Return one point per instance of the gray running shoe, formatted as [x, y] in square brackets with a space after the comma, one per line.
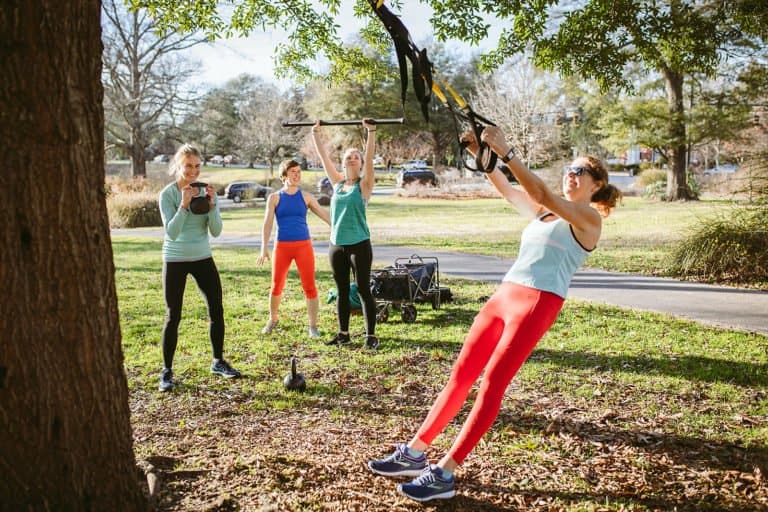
[222, 368]
[166, 380]
[269, 327]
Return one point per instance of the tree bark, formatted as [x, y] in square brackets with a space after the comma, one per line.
[65, 433]
[677, 183]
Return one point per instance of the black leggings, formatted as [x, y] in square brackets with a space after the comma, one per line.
[209, 283]
[358, 258]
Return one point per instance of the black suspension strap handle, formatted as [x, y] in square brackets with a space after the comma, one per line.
[485, 159]
[426, 82]
[343, 122]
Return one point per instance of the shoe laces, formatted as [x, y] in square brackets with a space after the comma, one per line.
[426, 477]
[398, 455]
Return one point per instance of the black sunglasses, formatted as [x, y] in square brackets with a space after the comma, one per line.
[578, 171]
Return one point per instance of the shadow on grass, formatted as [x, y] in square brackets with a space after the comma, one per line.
[693, 452]
[693, 368]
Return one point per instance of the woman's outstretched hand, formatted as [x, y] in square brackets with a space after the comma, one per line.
[494, 138]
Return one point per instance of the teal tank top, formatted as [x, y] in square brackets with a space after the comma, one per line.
[549, 256]
[348, 222]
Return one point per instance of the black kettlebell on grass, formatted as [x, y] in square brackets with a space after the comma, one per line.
[294, 381]
[200, 203]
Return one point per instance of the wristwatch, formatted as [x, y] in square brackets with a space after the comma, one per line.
[509, 156]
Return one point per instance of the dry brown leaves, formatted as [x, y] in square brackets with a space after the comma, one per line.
[544, 453]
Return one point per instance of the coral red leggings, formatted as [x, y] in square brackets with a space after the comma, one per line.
[502, 336]
[302, 253]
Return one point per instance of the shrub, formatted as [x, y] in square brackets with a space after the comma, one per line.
[133, 210]
[653, 183]
[651, 176]
[726, 248]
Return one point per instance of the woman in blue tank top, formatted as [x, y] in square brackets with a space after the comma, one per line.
[350, 248]
[289, 206]
[562, 232]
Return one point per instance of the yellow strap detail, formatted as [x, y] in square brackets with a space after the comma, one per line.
[438, 92]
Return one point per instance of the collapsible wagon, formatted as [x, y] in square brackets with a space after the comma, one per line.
[410, 280]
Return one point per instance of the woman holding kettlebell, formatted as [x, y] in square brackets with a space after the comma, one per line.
[350, 248]
[186, 250]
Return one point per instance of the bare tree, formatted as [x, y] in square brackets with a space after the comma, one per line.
[261, 135]
[66, 440]
[145, 79]
[518, 99]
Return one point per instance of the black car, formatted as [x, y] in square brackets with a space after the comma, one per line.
[239, 190]
[418, 176]
[324, 186]
[507, 173]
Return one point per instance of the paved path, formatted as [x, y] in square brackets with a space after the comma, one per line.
[734, 308]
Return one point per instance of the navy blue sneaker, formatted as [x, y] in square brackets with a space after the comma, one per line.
[399, 463]
[429, 486]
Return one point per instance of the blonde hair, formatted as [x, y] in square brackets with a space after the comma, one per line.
[606, 198]
[174, 168]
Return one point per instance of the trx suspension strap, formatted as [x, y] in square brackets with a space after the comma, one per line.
[426, 81]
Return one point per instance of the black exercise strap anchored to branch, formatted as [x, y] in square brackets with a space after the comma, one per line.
[426, 81]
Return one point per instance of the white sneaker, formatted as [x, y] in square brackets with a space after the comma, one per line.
[314, 332]
[269, 327]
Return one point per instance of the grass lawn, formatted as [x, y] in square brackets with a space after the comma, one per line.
[616, 410]
[637, 237]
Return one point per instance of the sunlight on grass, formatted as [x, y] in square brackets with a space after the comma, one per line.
[610, 395]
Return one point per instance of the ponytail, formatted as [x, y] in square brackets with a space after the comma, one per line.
[606, 199]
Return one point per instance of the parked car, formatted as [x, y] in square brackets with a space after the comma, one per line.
[723, 169]
[324, 186]
[239, 190]
[418, 176]
[162, 159]
[413, 164]
[507, 172]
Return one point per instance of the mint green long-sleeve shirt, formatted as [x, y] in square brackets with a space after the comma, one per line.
[186, 233]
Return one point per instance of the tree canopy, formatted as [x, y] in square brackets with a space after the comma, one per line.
[594, 39]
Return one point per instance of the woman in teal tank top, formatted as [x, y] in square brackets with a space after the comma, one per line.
[562, 232]
[350, 248]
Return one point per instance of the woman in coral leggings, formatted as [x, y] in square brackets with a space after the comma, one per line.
[289, 206]
[562, 232]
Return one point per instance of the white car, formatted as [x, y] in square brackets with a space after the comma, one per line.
[413, 164]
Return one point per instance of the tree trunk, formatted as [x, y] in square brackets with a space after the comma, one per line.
[677, 183]
[65, 432]
[138, 162]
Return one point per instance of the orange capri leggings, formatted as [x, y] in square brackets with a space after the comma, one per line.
[302, 253]
[502, 336]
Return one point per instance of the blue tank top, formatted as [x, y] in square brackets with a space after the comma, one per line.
[291, 215]
[549, 256]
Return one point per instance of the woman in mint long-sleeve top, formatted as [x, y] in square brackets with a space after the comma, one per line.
[186, 250]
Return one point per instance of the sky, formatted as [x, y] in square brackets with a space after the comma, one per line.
[227, 58]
